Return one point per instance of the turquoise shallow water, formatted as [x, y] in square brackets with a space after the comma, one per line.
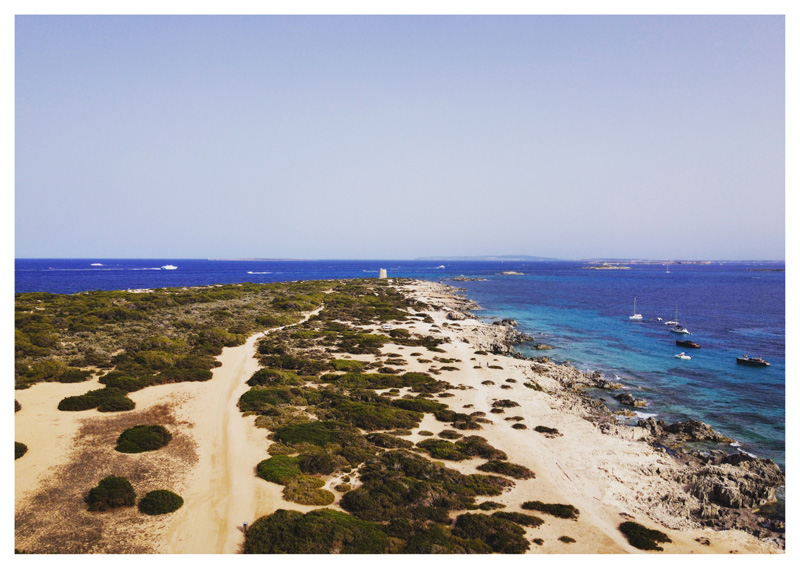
[730, 309]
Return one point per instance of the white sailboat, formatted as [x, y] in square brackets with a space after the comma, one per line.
[635, 316]
[675, 326]
[673, 321]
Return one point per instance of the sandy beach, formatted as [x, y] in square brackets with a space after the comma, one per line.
[610, 478]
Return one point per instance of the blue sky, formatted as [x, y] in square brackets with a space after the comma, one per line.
[399, 137]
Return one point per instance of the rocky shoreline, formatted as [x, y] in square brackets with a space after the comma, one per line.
[717, 487]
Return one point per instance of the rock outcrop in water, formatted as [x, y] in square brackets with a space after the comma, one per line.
[672, 435]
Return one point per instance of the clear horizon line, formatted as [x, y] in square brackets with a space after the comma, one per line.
[471, 258]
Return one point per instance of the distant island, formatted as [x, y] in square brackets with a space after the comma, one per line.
[501, 258]
[607, 266]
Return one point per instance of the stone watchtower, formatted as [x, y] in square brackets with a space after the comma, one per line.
[382, 273]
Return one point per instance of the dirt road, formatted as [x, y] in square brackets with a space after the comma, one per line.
[223, 491]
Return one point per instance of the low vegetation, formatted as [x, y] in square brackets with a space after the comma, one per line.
[500, 534]
[643, 538]
[110, 493]
[143, 438]
[400, 483]
[463, 449]
[506, 468]
[519, 518]
[554, 509]
[160, 502]
[19, 450]
[318, 532]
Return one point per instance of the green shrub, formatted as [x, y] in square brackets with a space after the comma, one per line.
[555, 509]
[402, 483]
[347, 365]
[505, 403]
[305, 490]
[74, 376]
[279, 469]
[519, 518]
[259, 399]
[419, 404]
[450, 434]
[143, 438]
[376, 416]
[438, 539]
[505, 468]
[320, 433]
[462, 449]
[519, 426]
[318, 462]
[104, 400]
[123, 382]
[546, 430]
[19, 450]
[383, 440]
[160, 502]
[641, 537]
[323, 531]
[502, 535]
[566, 539]
[111, 492]
[490, 506]
[274, 377]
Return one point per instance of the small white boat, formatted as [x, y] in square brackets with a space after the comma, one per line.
[659, 319]
[679, 329]
[682, 355]
[169, 267]
[673, 322]
[635, 316]
[440, 266]
[96, 264]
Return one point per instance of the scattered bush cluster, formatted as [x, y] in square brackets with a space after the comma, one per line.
[110, 493]
[463, 449]
[160, 502]
[143, 438]
[506, 468]
[554, 509]
[399, 482]
[641, 537]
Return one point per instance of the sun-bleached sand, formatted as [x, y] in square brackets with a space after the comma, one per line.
[609, 478]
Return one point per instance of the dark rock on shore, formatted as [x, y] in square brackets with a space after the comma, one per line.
[687, 431]
[737, 482]
[728, 486]
[628, 399]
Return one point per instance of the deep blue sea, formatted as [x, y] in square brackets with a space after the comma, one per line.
[729, 308]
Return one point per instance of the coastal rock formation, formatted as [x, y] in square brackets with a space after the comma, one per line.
[628, 400]
[688, 431]
[734, 486]
[456, 316]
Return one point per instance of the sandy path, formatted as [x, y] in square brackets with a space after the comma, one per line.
[222, 491]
